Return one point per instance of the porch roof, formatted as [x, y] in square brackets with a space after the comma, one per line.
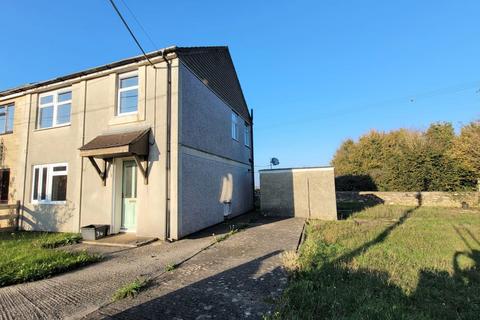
[117, 145]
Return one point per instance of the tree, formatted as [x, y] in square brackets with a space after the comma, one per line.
[466, 151]
[440, 170]
[343, 159]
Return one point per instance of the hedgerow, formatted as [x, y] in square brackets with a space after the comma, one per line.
[409, 160]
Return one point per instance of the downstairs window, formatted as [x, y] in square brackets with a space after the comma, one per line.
[4, 183]
[49, 184]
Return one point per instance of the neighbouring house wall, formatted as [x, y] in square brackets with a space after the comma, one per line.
[13, 154]
[428, 199]
[214, 168]
[94, 103]
[306, 193]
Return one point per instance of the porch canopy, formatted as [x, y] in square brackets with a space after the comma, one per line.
[116, 145]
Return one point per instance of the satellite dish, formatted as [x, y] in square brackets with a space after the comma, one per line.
[274, 162]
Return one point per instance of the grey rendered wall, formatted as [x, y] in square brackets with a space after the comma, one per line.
[206, 121]
[306, 193]
[214, 167]
[206, 183]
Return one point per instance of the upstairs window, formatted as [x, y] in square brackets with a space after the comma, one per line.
[54, 109]
[127, 93]
[234, 126]
[6, 118]
[49, 183]
[247, 135]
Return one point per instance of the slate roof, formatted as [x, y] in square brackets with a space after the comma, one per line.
[213, 65]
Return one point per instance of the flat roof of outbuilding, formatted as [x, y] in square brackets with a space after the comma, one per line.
[296, 169]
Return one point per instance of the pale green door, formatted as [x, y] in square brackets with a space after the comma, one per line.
[129, 196]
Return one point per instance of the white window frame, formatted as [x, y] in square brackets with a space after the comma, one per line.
[55, 104]
[235, 126]
[50, 175]
[247, 135]
[6, 108]
[120, 90]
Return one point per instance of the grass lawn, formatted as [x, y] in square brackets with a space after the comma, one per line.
[29, 256]
[387, 262]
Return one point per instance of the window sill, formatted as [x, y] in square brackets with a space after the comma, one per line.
[54, 127]
[126, 114]
[5, 133]
[49, 202]
[125, 118]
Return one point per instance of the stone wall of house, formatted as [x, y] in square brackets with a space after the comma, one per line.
[428, 199]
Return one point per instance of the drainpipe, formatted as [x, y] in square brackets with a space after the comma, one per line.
[26, 164]
[81, 158]
[253, 162]
[169, 157]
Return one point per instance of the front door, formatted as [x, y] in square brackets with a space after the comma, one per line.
[129, 196]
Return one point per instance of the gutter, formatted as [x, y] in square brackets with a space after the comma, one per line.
[76, 75]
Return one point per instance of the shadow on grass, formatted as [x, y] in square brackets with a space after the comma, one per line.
[380, 238]
[345, 209]
[332, 290]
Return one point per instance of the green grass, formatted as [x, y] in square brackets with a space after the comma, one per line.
[170, 267]
[29, 256]
[225, 236]
[55, 240]
[388, 262]
[130, 289]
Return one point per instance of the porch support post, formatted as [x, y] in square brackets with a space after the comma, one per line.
[143, 170]
[103, 175]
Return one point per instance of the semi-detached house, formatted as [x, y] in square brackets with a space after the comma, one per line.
[160, 148]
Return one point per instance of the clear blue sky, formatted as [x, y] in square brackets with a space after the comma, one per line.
[315, 72]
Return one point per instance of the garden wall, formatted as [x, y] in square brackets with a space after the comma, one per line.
[428, 199]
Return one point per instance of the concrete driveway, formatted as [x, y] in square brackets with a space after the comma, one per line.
[232, 279]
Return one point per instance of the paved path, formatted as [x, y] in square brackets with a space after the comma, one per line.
[233, 279]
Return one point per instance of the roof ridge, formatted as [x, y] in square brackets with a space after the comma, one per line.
[103, 67]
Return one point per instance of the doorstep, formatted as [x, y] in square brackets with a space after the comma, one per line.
[122, 240]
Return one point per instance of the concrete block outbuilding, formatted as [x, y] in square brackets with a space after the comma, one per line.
[299, 192]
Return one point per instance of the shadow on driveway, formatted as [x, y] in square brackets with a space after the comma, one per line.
[236, 293]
